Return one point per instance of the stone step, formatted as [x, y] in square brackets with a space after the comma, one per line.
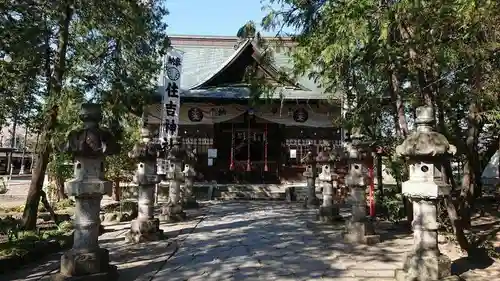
[385, 273]
[249, 195]
[255, 188]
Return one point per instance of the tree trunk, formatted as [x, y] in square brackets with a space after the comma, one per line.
[35, 190]
[456, 222]
[59, 181]
[34, 151]
[470, 188]
[12, 143]
[401, 126]
[54, 89]
[116, 190]
[24, 146]
[379, 175]
[47, 206]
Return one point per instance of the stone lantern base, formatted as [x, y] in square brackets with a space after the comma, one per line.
[190, 204]
[173, 213]
[426, 267]
[144, 230]
[86, 266]
[329, 214]
[361, 232]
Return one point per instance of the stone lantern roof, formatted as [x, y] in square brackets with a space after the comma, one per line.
[330, 154]
[145, 150]
[359, 147]
[425, 141]
[91, 141]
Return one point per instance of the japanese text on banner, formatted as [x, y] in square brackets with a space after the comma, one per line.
[171, 99]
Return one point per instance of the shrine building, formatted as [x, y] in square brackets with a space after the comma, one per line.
[238, 141]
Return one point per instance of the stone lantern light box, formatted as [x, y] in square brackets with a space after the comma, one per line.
[426, 150]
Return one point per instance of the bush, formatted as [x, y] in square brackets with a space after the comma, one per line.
[124, 206]
[64, 204]
[66, 226]
[24, 241]
[390, 206]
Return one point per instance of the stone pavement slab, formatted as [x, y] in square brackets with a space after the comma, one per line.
[249, 240]
[264, 241]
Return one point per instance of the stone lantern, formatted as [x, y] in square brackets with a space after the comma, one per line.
[329, 210]
[173, 210]
[310, 174]
[360, 228]
[86, 260]
[425, 150]
[145, 227]
[188, 198]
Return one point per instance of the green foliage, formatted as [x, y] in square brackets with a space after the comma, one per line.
[64, 53]
[120, 166]
[388, 57]
[66, 226]
[125, 206]
[24, 241]
[18, 84]
[434, 48]
[64, 204]
[390, 206]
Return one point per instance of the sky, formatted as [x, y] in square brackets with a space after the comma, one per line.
[211, 17]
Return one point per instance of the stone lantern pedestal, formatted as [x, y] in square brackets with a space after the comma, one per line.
[173, 210]
[310, 174]
[146, 227]
[188, 198]
[86, 260]
[425, 150]
[360, 228]
[329, 210]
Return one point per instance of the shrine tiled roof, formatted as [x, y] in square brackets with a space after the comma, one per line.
[206, 56]
[242, 92]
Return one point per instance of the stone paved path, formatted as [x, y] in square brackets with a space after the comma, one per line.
[268, 241]
[246, 241]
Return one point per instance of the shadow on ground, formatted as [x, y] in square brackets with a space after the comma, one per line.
[255, 240]
[266, 241]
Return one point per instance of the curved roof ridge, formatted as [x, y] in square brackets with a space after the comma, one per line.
[227, 63]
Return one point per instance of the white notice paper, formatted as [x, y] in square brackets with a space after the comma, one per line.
[293, 153]
[210, 162]
[212, 153]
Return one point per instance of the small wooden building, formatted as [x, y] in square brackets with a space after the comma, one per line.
[239, 141]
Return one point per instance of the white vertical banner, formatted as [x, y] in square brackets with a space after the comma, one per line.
[171, 101]
[171, 97]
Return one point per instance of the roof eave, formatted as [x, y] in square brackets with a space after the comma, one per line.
[224, 66]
